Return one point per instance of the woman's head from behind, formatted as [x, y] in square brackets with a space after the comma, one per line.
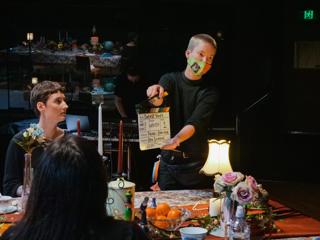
[70, 184]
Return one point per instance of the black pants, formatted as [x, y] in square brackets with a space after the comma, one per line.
[182, 176]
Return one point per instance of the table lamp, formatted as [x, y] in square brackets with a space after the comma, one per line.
[218, 158]
[29, 36]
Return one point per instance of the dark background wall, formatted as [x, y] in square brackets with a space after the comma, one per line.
[254, 62]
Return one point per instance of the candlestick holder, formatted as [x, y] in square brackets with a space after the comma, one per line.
[29, 40]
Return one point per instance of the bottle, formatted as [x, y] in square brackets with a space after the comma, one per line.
[239, 228]
[154, 202]
[143, 222]
[128, 206]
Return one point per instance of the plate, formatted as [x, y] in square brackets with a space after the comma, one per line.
[9, 209]
[5, 198]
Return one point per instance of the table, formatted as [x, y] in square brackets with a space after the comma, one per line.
[291, 223]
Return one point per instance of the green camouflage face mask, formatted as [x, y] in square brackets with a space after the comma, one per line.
[196, 66]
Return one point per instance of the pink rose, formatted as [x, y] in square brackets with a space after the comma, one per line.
[232, 178]
[242, 193]
[252, 183]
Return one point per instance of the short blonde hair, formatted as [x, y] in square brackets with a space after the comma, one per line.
[194, 40]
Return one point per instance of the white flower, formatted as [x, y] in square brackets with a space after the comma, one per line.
[25, 134]
[219, 185]
[32, 137]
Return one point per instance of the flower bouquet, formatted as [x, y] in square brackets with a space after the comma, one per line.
[32, 137]
[236, 188]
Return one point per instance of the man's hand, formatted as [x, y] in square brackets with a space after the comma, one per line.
[172, 144]
[155, 90]
[155, 187]
[185, 133]
[119, 105]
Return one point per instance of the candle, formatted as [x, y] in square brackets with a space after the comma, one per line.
[120, 148]
[67, 36]
[100, 147]
[214, 207]
[128, 162]
[34, 80]
[59, 37]
[78, 127]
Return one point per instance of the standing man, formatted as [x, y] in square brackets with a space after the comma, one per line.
[192, 102]
[130, 90]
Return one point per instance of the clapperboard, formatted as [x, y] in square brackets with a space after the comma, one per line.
[153, 126]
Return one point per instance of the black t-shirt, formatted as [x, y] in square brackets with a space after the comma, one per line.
[14, 165]
[191, 102]
[131, 94]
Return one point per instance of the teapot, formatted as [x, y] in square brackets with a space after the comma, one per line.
[117, 201]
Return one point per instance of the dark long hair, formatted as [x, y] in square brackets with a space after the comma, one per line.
[68, 194]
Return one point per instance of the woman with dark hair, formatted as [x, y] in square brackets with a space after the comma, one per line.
[67, 198]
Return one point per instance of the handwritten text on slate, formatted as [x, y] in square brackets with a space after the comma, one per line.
[154, 129]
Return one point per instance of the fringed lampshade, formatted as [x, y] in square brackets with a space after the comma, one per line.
[218, 158]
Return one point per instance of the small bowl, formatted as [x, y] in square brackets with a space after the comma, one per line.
[170, 224]
[193, 233]
[5, 202]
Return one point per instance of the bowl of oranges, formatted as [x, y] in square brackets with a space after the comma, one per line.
[167, 218]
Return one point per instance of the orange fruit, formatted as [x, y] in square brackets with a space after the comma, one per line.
[151, 212]
[162, 209]
[161, 222]
[174, 213]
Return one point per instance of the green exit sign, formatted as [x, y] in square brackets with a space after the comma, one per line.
[308, 14]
